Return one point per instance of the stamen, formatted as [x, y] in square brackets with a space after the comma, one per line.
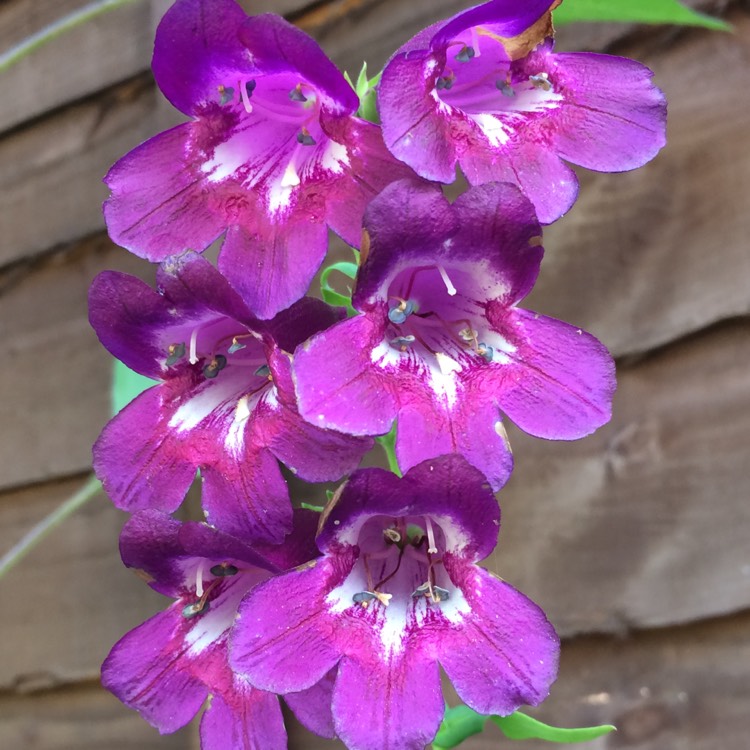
[193, 358]
[541, 81]
[304, 138]
[444, 83]
[363, 598]
[431, 549]
[250, 87]
[398, 315]
[296, 94]
[224, 570]
[392, 536]
[466, 54]
[402, 343]
[468, 335]
[227, 95]
[191, 610]
[176, 353]
[440, 594]
[446, 280]
[486, 352]
[213, 368]
[236, 346]
[199, 579]
[505, 88]
[264, 371]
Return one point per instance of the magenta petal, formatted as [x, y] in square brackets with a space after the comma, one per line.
[272, 265]
[299, 545]
[561, 381]
[157, 207]
[414, 129]
[338, 386]
[312, 707]
[504, 653]
[247, 719]
[245, 494]
[393, 705]
[138, 673]
[314, 454]
[283, 638]
[138, 463]
[614, 118]
[549, 183]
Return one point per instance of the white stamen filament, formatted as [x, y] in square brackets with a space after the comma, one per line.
[199, 579]
[446, 280]
[432, 549]
[475, 42]
[193, 356]
[245, 98]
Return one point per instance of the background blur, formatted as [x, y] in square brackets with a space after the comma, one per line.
[636, 541]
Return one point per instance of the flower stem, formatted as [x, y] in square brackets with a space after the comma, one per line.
[49, 523]
[55, 29]
[388, 444]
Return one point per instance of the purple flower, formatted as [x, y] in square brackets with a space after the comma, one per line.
[485, 90]
[273, 155]
[441, 343]
[225, 404]
[167, 667]
[396, 595]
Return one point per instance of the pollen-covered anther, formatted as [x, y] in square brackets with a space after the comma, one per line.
[176, 353]
[467, 53]
[486, 352]
[215, 366]
[224, 570]
[398, 315]
[392, 536]
[505, 88]
[226, 94]
[194, 609]
[402, 343]
[304, 138]
[541, 81]
[296, 94]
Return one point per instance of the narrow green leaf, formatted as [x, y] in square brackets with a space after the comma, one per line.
[459, 724]
[315, 508]
[126, 385]
[388, 444]
[636, 11]
[518, 726]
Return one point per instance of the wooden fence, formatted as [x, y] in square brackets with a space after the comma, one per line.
[636, 541]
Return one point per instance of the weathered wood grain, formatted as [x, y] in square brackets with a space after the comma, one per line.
[71, 599]
[646, 523]
[82, 718]
[678, 689]
[647, 256]
[55, 380]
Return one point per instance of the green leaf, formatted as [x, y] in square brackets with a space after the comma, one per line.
[388, 444]
[636, 11]
[329, 294]
[315, 508]
[367, 93]
[459, 724]
[126, 385]
[518, 726]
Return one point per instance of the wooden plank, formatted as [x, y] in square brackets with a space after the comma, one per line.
[106, 50]
[71, 599]
[50, 175]
[646, 522]
[683, 688]
[84, 718]
[55, 384]
[648, 256]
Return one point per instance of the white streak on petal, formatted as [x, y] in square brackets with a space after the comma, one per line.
[493, 128]
[335, 157]
[443, 381]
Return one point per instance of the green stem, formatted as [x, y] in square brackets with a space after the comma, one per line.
[47, 34]
[49, 523]
[388, 444]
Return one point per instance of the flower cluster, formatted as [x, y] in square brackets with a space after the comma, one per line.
[348, 614]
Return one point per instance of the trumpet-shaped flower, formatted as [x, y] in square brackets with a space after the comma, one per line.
[441, 344]
[273, 155]
[170, 665]
[485, 89]
[396, 595]
[225, 403]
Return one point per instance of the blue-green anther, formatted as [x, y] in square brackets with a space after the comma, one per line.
[176, 353]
